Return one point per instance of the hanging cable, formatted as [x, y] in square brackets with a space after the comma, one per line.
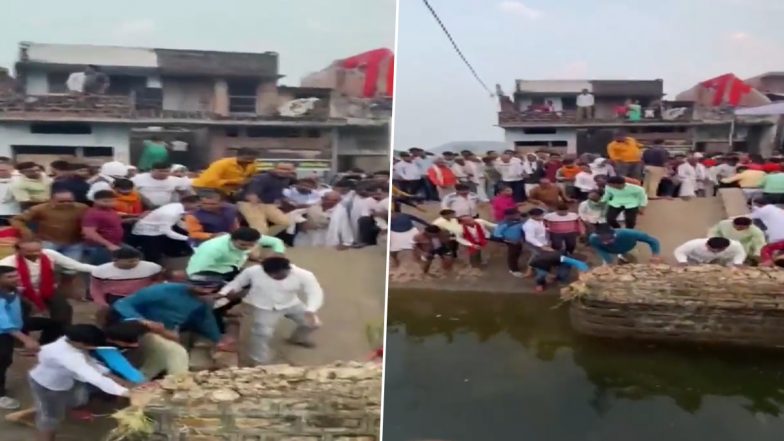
[457, 48]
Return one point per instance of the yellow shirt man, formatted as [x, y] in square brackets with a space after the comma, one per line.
[227, 175]
[628, 150]
[747, 178]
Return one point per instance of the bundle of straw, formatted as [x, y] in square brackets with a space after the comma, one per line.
[132, 423]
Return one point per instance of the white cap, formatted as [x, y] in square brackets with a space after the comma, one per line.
[114, 169]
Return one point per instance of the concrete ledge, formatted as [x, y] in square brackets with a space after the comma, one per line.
[734, 202]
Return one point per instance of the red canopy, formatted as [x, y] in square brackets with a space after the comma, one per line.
[372, 61]
[728, 84]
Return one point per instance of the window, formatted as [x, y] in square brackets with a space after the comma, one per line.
[89, 152]
[57, 81]
[273, 132]
[242, 96]
[558, 143]
[540, 131]
[61, 128]
[43, 150]
[232, 132]
[569, 102]
[125, 84]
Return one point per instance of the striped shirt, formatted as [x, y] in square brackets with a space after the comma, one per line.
[562, 224]
[108, 279]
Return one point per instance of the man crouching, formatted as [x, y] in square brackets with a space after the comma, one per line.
[166, 309]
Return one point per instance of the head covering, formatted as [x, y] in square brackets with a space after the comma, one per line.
[178, 168]
[114, 169]
[598, 166]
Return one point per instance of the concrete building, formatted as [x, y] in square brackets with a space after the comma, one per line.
[680, 124]
[207, 103]
[770, 83]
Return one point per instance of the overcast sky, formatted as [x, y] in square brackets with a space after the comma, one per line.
[307, 34]
[679, 41]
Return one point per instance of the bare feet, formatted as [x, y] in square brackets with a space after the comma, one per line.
[24, 417]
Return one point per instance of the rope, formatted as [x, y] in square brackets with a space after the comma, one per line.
[457, 48]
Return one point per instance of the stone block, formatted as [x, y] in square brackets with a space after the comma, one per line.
[198, 422]
[292, 438]
[272, 403]
[207, 438]
[332, 422]
[244, 424]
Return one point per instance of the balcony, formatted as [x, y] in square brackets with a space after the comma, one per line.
[128, 107]
[100, 106]
[529, 118]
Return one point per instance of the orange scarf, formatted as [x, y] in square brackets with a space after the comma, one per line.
[129, 203]
[570, 171]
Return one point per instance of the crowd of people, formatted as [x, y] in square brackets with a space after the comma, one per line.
[554, 208]
[112, 234]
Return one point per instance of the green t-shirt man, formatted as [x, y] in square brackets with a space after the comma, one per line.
[154, 152]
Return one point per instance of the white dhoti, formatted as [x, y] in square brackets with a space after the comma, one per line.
[402, 241]
[481, 189]
[688, 188]
[692, 178]
[337, 230]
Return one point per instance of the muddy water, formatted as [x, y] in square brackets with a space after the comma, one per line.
[464, 367]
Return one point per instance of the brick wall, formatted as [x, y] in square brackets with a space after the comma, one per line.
[70, 104]
[338, 402]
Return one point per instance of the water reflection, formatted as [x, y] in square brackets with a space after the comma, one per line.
[616, 377]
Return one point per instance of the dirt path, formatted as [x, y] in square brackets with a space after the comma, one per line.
[354, 283]
[676, 221]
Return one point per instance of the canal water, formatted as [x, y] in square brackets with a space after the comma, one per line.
[466, 367]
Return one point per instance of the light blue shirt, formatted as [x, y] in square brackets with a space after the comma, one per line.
[424, 164]
[10, 313]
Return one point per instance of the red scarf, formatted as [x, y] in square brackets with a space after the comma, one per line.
[45, 289]
[477, 237]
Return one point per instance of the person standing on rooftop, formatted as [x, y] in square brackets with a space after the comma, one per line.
[585, 103]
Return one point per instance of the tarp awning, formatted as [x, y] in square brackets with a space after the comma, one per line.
[768, 109]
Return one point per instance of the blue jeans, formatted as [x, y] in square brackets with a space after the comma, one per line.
[97, 254]
[74, 251]
[561, 274]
